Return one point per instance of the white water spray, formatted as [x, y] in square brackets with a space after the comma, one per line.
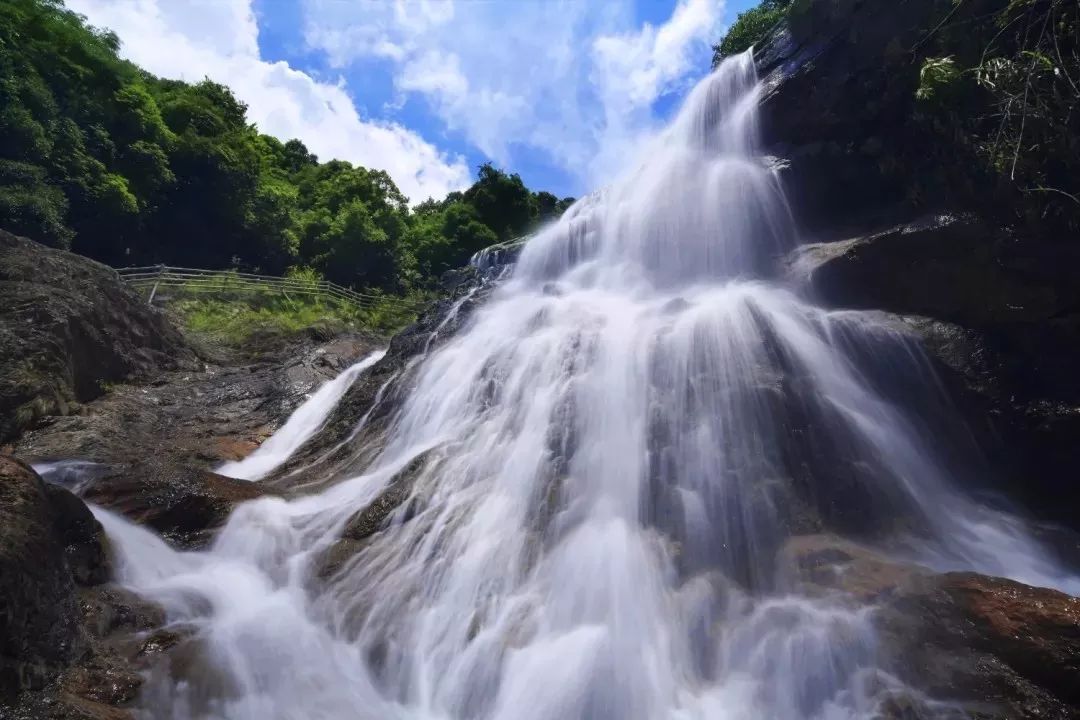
[609, 455]
[301, 425]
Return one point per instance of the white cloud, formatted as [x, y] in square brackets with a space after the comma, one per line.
[192, 39]
[576, 80]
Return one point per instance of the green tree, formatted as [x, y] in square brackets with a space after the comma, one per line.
[502, 202]
[355, 250]
[128, 168]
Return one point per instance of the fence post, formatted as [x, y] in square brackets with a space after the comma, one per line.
[161, 271]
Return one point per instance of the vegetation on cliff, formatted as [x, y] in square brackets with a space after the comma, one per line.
[750, 27]
[980, 101]
[1010, 102]
[101, 157]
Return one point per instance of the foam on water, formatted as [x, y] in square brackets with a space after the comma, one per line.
[612, 453]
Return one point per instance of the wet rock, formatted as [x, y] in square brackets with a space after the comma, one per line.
[68, 329]
[182, 503]
[39, 631]
[991, 647]
[902, 221]
[500, 255]
[161, 641]
[336, 557]
[996, 315]
[823, 565]
[61, 630]
[102, 678]
[104, 683]
[153, 447]
[64, 706]
[370, 520]
[110, 611]
[353, 434]
[1000, 648]
[85, 545]
[196, 420]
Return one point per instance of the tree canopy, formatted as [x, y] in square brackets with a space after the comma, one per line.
[101, 157]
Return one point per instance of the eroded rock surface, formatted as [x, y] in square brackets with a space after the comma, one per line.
[68, 329]
[155, 445]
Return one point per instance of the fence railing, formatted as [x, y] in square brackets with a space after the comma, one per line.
[193, 280]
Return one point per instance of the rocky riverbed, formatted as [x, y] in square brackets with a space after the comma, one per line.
[138, 414]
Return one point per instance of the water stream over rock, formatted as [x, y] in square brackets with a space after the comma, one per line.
[604, 467]
[301, 425]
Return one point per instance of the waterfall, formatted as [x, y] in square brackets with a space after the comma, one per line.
[603, 467]
[301, 425]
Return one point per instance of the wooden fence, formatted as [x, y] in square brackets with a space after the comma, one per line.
[221, 282]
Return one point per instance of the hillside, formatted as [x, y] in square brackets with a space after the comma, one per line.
[103, 158]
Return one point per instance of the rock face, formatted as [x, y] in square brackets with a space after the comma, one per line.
[999, 317]
[354, 431]
[999, 308]
[839, 106]
[68, 328]
[71, 645]
[52, 559]
[892, 226]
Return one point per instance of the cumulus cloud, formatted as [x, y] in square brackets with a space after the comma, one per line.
[577, 81]
[219, 39]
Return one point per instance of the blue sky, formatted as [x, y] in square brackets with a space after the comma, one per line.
[558, 91]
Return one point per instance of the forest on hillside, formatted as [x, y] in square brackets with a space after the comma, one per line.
[103, 158]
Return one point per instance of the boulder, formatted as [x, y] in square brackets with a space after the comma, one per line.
[184, 504]
[68, 329]
[50, 545]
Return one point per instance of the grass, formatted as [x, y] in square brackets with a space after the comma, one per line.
[235, 316]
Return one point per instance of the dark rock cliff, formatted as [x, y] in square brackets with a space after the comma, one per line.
[895, 222]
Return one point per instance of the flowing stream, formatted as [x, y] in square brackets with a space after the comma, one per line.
[605, 465]
[301, 425]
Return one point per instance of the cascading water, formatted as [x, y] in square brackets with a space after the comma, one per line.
[301, 425]
[611, 455]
